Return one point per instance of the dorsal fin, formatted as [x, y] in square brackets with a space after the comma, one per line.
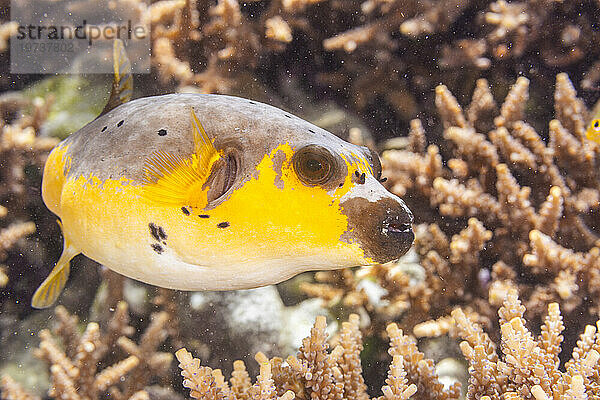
[175, 180]
[122, 86]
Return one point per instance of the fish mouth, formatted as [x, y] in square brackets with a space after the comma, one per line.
[393, 226]
[397, 232]
[383, 228]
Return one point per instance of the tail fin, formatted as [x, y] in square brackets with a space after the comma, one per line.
[50, 289]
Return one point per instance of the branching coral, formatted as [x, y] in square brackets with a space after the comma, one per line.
[81, 368]
[229, 41]
[11, 390]
[381, 58]
[317, 373]
[538, 201]
[8, 237]
[20, 150]
[522, 366]
[368, 54]
[527, 367]
[525, 213]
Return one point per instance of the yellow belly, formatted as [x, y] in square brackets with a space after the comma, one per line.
[111, 223]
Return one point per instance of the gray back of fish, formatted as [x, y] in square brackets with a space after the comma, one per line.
[117, 144]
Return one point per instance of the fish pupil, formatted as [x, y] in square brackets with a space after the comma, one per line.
[596, 124]
[313, 165]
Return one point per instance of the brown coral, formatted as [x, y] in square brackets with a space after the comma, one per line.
[518, 187]
[317, 373]
[525, 213]
[74, 366]
[528, 367]
[22, 154]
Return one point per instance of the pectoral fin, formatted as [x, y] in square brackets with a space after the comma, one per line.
[50, 289]
[122, 86]
[175, 180]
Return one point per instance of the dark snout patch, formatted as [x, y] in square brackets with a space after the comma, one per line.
[382, 228]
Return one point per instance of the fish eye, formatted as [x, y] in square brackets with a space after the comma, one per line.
[314, 164]
[597, 123]
[375, 163]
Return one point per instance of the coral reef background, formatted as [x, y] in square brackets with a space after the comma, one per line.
[478, 109]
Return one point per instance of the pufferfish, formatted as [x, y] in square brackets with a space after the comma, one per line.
[213, 192]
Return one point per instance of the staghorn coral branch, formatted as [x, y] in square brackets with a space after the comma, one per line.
[482, 107]
[419, 370]
[10, 235]
[512, 150]
[11, 390]
[340, 367]
[569, 109]
[550, 212]
[448, 108]
[397, 387]
[111, 375]
[76, 375]
[513, 108]
[198, 379]
[63, 386]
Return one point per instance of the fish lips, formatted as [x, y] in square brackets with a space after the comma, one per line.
[383, 228]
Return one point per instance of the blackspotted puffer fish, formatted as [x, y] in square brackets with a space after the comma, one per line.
[213, 192]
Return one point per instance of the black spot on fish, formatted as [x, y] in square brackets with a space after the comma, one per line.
[251, 102]
[120, 122]
[204, 216]
[185, 210]
[157, 248]
[103, 129]
[383, 179]
[341, 184]
[162, 132]
[222, 224]
[311, 131]
[157, 232]
[360, 178]
[153, 230]
[287, 116]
